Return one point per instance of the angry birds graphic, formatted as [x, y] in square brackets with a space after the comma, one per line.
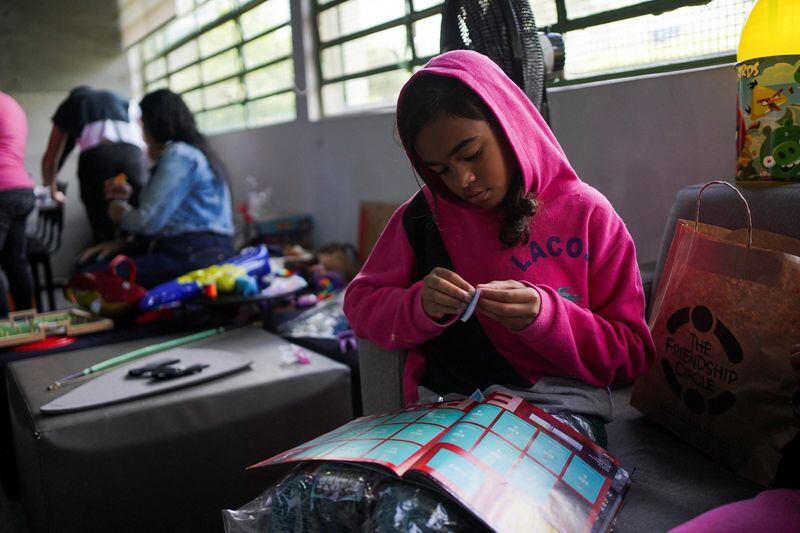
[780, 153]
[765, 100]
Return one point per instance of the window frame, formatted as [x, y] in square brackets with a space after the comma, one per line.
[647, 7]
[241, 72]
[562, 25]
[408, 20]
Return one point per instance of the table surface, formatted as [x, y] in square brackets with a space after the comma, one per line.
[34, 375]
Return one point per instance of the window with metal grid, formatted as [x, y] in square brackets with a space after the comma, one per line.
[366, 49]
[613, 38]
[231, 60]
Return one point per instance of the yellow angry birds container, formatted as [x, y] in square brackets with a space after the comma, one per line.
[768, 111]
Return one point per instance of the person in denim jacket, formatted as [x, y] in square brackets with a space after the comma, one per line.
[184, 219]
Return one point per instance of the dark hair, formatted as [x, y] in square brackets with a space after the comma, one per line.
[426, 98]
[80, 89]
[166, 117]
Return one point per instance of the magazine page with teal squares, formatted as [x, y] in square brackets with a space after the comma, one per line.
[491, 447]
[391, 439]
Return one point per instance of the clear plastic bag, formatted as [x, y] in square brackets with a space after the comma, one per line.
[333, 497]
[323, 321]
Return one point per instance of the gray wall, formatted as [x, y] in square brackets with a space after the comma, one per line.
[48, 47]
[637, 141]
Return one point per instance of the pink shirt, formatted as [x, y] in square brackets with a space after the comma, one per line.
[580, 258]
[13, 137]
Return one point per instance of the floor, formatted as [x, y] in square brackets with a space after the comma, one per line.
[12, 514]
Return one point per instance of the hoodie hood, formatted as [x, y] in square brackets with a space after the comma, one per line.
[541, 159]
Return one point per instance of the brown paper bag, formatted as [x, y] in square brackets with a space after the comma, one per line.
[725, 316]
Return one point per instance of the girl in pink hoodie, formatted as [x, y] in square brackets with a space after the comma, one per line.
[560, 315]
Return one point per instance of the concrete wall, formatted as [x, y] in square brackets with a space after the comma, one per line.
[48, 47]
[640, 141]
[637, 141]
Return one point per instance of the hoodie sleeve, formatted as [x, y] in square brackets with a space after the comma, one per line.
[383, 304]
[607, 343]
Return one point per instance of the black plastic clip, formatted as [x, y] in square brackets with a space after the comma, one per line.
[148, 370]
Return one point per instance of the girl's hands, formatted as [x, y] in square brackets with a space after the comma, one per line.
[114, 190]
[101, 251]
[117, 208]
[445, 293]
[509, 302]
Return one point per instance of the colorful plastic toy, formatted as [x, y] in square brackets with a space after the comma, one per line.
[235, 275]
[106, 293]
[28, 326]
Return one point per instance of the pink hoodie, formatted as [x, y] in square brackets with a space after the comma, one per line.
[580, 258]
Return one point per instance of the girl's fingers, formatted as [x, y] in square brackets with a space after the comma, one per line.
[445, 287]
[444, 303]
[511, 296]
[454, 280]
[489, 314]
[446, 300]
[503, 310]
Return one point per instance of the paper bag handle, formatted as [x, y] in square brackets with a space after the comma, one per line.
[746, 206]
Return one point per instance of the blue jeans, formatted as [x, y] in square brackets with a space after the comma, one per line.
[166, 258]
[15, 205]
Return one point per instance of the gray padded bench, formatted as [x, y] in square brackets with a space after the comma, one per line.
[672, 482]
[168, 462]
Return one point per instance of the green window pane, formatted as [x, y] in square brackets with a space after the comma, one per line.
[200, 120]
[212, 10]
[183, 6]
[219, 38]
[220, 66]
[369, 91]
[158, 84]
[194, 100]
[187, 78]
[684, 34]
[264, 16]
[270, 79]
[155, 69]
[223, 93]
[179, 28]
[267, 48]
[278, 108]
[224, 119]
[153, 45]
[544, 12]
[356, 15]
[426, 36]
[583, 8]
[419, 5]
[388, 47]
[182, 56]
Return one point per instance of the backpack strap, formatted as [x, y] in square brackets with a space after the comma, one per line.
[424, 237]
[462, 358]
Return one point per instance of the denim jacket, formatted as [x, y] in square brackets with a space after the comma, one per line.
[184, 195]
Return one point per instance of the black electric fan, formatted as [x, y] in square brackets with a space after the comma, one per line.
[505, 31]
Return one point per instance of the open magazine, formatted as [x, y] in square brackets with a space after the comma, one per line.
[511, 464]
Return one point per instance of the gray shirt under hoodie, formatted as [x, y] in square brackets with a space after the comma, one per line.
[553, 394]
